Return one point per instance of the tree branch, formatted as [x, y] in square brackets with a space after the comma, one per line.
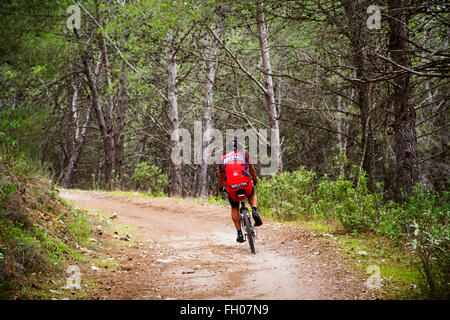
[238, 62]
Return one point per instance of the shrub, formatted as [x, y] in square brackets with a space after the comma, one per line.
[293, 195]
[8, 142]
[287, 195]
[422, 221]
[354, 207]
[431, 243]
[6, 190]
[396, 220]
[30, 240]
[430, 238]
[150, 179]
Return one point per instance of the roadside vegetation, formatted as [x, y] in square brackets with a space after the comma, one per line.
[40, 234]
[415, 232]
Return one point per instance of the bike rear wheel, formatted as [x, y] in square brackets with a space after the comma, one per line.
[249, 229]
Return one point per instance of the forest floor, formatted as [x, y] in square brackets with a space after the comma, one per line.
[187, 249]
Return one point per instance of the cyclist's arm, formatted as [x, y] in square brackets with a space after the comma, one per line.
[253, 173]
[251, 170]
[221, 177]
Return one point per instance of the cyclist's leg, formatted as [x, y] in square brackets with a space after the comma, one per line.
[237, 223]
[236, 217]
[253, 200]
[235, 213]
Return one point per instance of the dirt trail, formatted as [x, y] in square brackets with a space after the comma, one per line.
[188, 250]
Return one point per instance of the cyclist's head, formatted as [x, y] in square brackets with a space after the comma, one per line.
[235, 146]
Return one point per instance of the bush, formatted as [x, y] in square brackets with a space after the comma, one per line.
[430, 239]
[431, 243]
[396, 219]
[150, 179]
[354, 207]
[294, 195]
[8, 143]
[422, 221]
[288, 195]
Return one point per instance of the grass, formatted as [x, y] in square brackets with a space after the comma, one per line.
[211, 200]
[45, 285]
[217, 200]
[54, 254]
[320, 226]
[107, 263]
[111, 225]
[214, 200]
[134, 193]
[54, 289]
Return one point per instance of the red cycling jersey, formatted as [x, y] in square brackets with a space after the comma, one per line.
[235, 168]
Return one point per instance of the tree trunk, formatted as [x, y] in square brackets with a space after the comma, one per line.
[405, 115]
[340, 136]
[368, 153]
[75, 110]
[210, 52]
[172, 114]
[64, 142]
[79, 143]
[80, 135]
[142, 141]
[119, 126]
[356, 38]
[100, 170]
[342, 145]
[194, 184]
[269, 94]
[108, 121]
[108, 146]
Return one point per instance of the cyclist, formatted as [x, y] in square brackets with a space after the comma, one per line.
[235, 170]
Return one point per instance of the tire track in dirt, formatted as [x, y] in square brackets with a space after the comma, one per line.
[188, 250]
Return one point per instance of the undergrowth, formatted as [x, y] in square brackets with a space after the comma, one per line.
[39, 233]
[420, 225]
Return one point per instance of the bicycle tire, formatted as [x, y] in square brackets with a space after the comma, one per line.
[250, 236]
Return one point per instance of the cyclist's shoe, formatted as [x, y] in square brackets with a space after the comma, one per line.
[240, 236]
[257, 218]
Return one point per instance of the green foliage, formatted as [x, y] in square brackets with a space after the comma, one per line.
[396, 220]
[80, 227]
[430, 238]
[288, 195]
[431, 243]
[37, 231]
[19, 132]
[8, 143]
[294, 195]
[213, 200]
[354, 207]
[6, 190]
[150, 179]
[422, 221]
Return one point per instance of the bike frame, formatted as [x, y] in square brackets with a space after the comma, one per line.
[249, 231]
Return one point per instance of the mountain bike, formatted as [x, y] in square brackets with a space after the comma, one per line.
[248, 228]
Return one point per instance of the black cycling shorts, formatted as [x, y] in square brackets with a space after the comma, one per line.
[235, 204]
